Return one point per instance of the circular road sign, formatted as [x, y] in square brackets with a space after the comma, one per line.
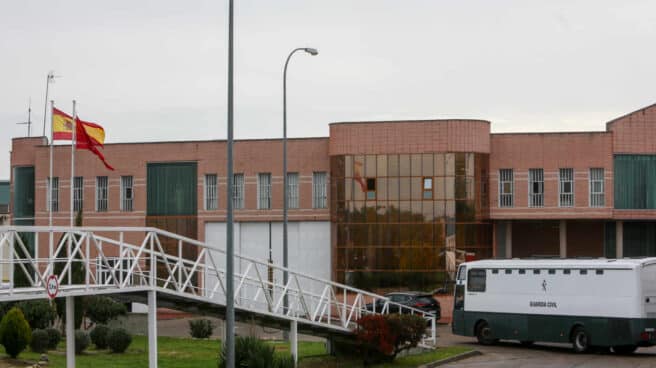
[52, 286]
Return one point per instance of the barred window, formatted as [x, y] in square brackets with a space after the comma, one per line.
[264, 191]
[211, 197]
[101, 193]
[597, 187]
[476, 280]
[127, 193]
[292, 190]
[536, 187]
[52, 200]
[319, 190]
[506, 188]
[566, 188]
[78, 193]
[238, 191]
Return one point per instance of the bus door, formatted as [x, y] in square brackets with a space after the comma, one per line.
[458, 319]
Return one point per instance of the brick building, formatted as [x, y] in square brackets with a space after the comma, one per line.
[375, 204]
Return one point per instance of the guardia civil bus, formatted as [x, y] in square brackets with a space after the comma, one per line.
[604, 303]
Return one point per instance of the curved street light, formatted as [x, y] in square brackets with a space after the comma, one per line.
[285, 253]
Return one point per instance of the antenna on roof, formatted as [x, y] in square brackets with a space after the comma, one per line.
[29, 119]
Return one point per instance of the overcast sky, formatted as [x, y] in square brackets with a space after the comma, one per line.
[156, 70]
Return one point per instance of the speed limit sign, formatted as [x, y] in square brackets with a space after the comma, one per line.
[52, 286]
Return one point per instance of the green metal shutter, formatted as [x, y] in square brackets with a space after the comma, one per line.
[172, 189]
[639, 239]
[635, 181]
[23, 207]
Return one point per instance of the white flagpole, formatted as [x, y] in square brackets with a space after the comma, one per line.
[49, 181]
[73, 165]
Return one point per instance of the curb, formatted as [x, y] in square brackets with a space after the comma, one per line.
[452, 359]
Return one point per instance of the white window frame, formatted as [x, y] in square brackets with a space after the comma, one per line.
[78, 193]
[597, 198]
[127, 204]
[264, 191]
[211, 192]
[238, 191]
[506, 200]
[293, 199]
[102, 204]
[565, 199]
[319, 189]
[535, 199]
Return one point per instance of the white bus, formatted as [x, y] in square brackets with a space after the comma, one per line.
[605, 303]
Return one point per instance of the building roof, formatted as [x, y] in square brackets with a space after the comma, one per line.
[631, 113]
[622, 263]
[412, 121]
[4, 192]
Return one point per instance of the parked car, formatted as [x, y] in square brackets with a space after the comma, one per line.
[415, 299]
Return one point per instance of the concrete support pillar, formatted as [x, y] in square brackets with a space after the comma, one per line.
[562, 227]
[70, 332]
[293, 341]
[152, 329]
[619, 239]
[508, 239]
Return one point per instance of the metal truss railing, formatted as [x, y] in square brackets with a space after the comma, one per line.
[121, 259]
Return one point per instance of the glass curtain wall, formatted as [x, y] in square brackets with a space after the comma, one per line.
[406, 221]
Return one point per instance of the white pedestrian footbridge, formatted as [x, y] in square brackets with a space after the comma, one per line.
[160, 268]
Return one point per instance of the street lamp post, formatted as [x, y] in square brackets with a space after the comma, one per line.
[285, 254]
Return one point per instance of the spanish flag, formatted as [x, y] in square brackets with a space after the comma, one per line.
[62, 125]
[88, 135]
[62, 129]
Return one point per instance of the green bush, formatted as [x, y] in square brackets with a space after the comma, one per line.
[39, 343]
[102, 309]
[82, 341]
[38, 313]
[99, 336]
[252, 352]
[118, 340]
[54, 336]
[201, 328]
[15, 332]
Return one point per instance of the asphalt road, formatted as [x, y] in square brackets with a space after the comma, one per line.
[512, 354]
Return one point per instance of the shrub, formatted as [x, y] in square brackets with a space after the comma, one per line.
[54, 336]
[82, 341]
[99, 336]
[39, 343]
[374, 338]
[407, 330]
[201, 328]
[15, 332]
[283, 361]
[118, 340]
[250, 352]
[102, 309]
[382, 337]
[38, 313]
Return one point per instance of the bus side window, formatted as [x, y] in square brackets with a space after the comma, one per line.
[552, 272]
[566, 272]
[584, 272]
[599, 272]
[495, 271]
[508, 271]
[522, 271]
[476, 280]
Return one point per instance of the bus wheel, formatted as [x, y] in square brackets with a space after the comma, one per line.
[484, 334]
[580, 340]
[624, 349]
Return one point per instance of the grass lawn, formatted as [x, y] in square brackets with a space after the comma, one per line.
[185, 352]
